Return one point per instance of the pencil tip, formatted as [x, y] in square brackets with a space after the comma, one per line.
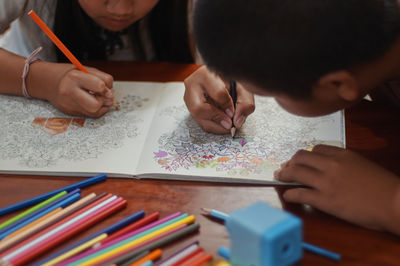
[206, 211]
[233, 131]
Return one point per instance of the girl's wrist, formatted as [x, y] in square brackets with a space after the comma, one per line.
[44, 77]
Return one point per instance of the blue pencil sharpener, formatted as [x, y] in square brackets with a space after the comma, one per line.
[265, 236]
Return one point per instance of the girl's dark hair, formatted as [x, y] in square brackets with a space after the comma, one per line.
[88, 41]
[286, 45]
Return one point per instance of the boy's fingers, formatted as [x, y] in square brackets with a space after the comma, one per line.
[244, 106]
[302, 195]
[203, 109]
[310, 159]
[218, 92]
[212, 127]
[300, 174]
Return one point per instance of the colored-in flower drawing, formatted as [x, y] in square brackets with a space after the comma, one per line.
[162, 162]
[257, 161]
[160, 154]
[223, 159]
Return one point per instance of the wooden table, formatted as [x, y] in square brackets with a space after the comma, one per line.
[371, 129]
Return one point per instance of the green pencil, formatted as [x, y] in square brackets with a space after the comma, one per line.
[157, 244]
[30, 210]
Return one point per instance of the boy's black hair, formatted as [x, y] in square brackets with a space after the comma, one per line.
[286, 45]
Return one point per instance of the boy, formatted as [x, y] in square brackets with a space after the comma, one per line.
[314, 57]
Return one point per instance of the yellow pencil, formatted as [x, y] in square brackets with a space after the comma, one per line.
[76, 250]
[188, 220]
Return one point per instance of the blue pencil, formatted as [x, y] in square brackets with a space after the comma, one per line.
[109, 230]
[317, 250]
[67, 201]
[7, 228]
[32, 201]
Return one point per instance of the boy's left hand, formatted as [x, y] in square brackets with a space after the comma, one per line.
[346, 185]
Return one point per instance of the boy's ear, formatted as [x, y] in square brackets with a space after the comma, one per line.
[343, 83]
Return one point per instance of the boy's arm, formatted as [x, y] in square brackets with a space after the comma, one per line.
[61, 84]
[346, 185]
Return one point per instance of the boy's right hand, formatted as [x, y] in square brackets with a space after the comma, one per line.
[208, 100]
[79, 93]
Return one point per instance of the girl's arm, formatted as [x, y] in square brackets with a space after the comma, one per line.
[68, 89]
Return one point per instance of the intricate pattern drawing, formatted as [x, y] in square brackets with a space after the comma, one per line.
[270, 137]
[38, 144]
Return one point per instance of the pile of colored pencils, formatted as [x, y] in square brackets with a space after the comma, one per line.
[135, 240]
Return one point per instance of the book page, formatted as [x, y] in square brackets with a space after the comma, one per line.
[36, 138]
[178, 147]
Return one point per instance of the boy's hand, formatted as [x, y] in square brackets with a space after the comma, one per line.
[346, 185]
[83, 94]
[207, 98]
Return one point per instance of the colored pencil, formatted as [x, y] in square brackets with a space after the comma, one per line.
[59, 44]
[40, 198]
[56, 225]
[106, 232]
[179, 254]
[69, 229]
[38, 211]
[320, 251]
[39, 221]
[32, 224]
[152, 256]
[306, 246]
[159, 243]
[188, 256]
[56, 41]
[75, 250]
[130, 243]
[142, 222]
[31, 210]
[198, 259]
[137, 257]
[147, 263]
[61, 202]
[150, 227]
[46, 223]
[116, 255]
[87, 253]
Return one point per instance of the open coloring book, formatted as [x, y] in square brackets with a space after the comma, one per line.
[154, 136]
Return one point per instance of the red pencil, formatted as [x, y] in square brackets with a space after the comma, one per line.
[68, 232]
[66, 219]
[142, 244]
[130, 228]
[198, 259]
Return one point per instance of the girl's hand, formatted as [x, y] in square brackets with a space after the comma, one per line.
[343, 183]
[72, 91]
[208, 100]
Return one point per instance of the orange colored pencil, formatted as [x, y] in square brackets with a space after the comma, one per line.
[59, 44]
[26, 227]
[56, 41]
[197, 260]
[154, 255]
